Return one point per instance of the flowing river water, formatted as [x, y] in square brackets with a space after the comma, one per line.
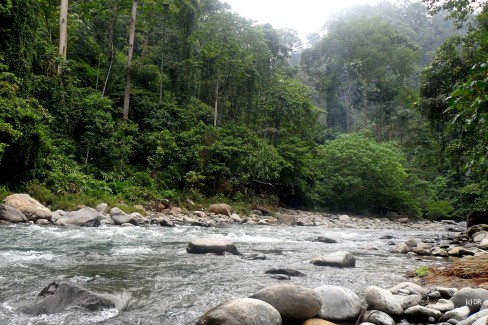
[147, 271]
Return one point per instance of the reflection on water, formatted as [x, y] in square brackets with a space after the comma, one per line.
[157, 282]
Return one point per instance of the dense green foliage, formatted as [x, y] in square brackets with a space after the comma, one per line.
[217, 110]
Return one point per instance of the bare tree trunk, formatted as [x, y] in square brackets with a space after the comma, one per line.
[63, 30]
[111, 42]
[161, 78]
[128, 82]
[216, 102]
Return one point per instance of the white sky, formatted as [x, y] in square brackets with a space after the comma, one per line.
[304, 16]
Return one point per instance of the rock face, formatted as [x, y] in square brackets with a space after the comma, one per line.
[11, 214]
[382, 300]
[245, 311]
[120, 217]
[85, 217]
[338, 304]
[215, 246]
[292, 302]
[473, 298]
[220, 208]
[30, 207]
[59, 295]
[476, 218]
[337, 259]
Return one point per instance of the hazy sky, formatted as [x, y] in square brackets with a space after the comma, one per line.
[304, 16]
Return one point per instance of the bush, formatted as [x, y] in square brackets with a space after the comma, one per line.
[359, 174]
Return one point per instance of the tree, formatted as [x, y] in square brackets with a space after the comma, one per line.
[63, 29]
[128, 80]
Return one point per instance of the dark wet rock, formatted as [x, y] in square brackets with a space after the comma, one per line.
[60, 295]
[30, 207]
[120, 217]
[84, 217]
[253, 257]
[11, 214]
[387, 237]
[420, 314]
[434, 295]
[292, 302]
[458, 314]
[326, 240]
[408, 301]
[378, 317]
[215, 246]
[220, 208]
[473, 298]
[382, 300]
[280, 277]
[289, 272]
[166, 222]
[338, 304]
[446, 292]
[286, 219]
[337, 259]
[244, 311]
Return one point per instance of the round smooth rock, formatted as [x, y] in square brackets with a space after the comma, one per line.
[337, 259]
[378, 318]
[338, 304]
[382, 300]
[215, 246]
[473, 298]
[246, 311]
[291, 301]
[420, 314]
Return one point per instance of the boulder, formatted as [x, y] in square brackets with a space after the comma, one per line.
[317, 321]
[337, 259]
[84, 217]
[378, 318]
[474, 318]
[420, 314]
[408, 301]
[401, 248]
[43, 222]
[413, 288]
[292, 302]
[60, 295]
[166, 222]
[476, 218]
[244, 311]
[382, 300]
[289, 272]
[473, 298]
[120, 217]
[220, 208]
[482, 321]
[439, 252]
[446, 292]
[479, 236]
[215, 246]
[58, 214]
[442, 305]
[457, 314]
[11, 214]
[483, 244]
[102, 207]
[30, 207]
[326, 240]
[254, 257]
[235, 218]
[338, 304]
[286, 219]
[459, 251]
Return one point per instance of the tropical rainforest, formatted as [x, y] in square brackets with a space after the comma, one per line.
[141, 100]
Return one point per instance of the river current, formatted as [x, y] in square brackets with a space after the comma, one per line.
[147, 271]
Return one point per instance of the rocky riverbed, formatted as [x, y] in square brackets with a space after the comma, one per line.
[176, 268]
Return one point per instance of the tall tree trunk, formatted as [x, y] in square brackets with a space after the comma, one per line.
[111, 43]
[216, 102]
[63, 30]
[128, 82]
[161, 84]
[365, 113]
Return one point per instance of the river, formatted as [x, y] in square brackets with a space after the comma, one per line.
[154, 281]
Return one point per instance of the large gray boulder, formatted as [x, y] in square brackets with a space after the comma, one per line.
[286, 219]
[378, 318]
[337, 259]
[60, 295]
[244, 311]
[421, 314]
[11, 214]
[220, 208]
[382, 300]
[338, 304]
[292, 302]
[84, 217]
[473, 298]
[120, 217]
[215, 246]
[30, 207]
[413, 288]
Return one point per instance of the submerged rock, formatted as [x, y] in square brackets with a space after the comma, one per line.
[246, 311]
[215, 246]
[60, 295]
[292, 302]
[289, 272]
[337, 259]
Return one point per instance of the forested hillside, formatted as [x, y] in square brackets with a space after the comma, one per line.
[186, 100]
